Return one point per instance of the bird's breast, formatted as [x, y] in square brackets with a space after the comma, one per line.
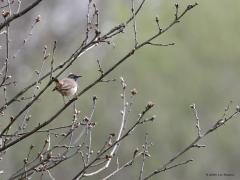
[71, 91]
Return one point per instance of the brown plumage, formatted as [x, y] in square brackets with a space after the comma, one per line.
[67, 86]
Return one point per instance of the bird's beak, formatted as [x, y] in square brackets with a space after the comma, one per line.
[77, 76]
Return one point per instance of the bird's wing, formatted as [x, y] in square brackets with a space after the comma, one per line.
[55, 80]
[67, 84]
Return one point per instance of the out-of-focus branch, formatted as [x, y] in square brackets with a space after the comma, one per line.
[21, 13]
[7, 57]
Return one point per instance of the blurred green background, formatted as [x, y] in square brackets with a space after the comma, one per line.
[202, 68]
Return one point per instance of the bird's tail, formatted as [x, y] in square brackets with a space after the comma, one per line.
[56, 81]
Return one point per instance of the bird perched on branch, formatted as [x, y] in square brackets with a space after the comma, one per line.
[67, 86]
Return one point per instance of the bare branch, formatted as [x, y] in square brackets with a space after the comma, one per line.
[112, 153]
[191, 145]
[158, 44]
[132, 128]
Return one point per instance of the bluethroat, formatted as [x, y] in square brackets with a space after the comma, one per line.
[67, 86]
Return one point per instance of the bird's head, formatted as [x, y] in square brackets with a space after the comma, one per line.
[74, 76]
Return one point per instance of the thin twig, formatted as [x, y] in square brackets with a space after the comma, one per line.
[21, 13]
[7, 56]
[193, 106]
[159, 44]
[112, 153]
[52, 61]
[145, 149]
[134, 23]
[127, 164]
[19, 5]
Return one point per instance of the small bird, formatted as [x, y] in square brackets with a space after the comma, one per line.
[67, 86]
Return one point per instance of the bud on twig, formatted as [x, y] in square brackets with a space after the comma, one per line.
[238, 108]
[37, 19]
[133, 91]
[5, 13]
[150, 104]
